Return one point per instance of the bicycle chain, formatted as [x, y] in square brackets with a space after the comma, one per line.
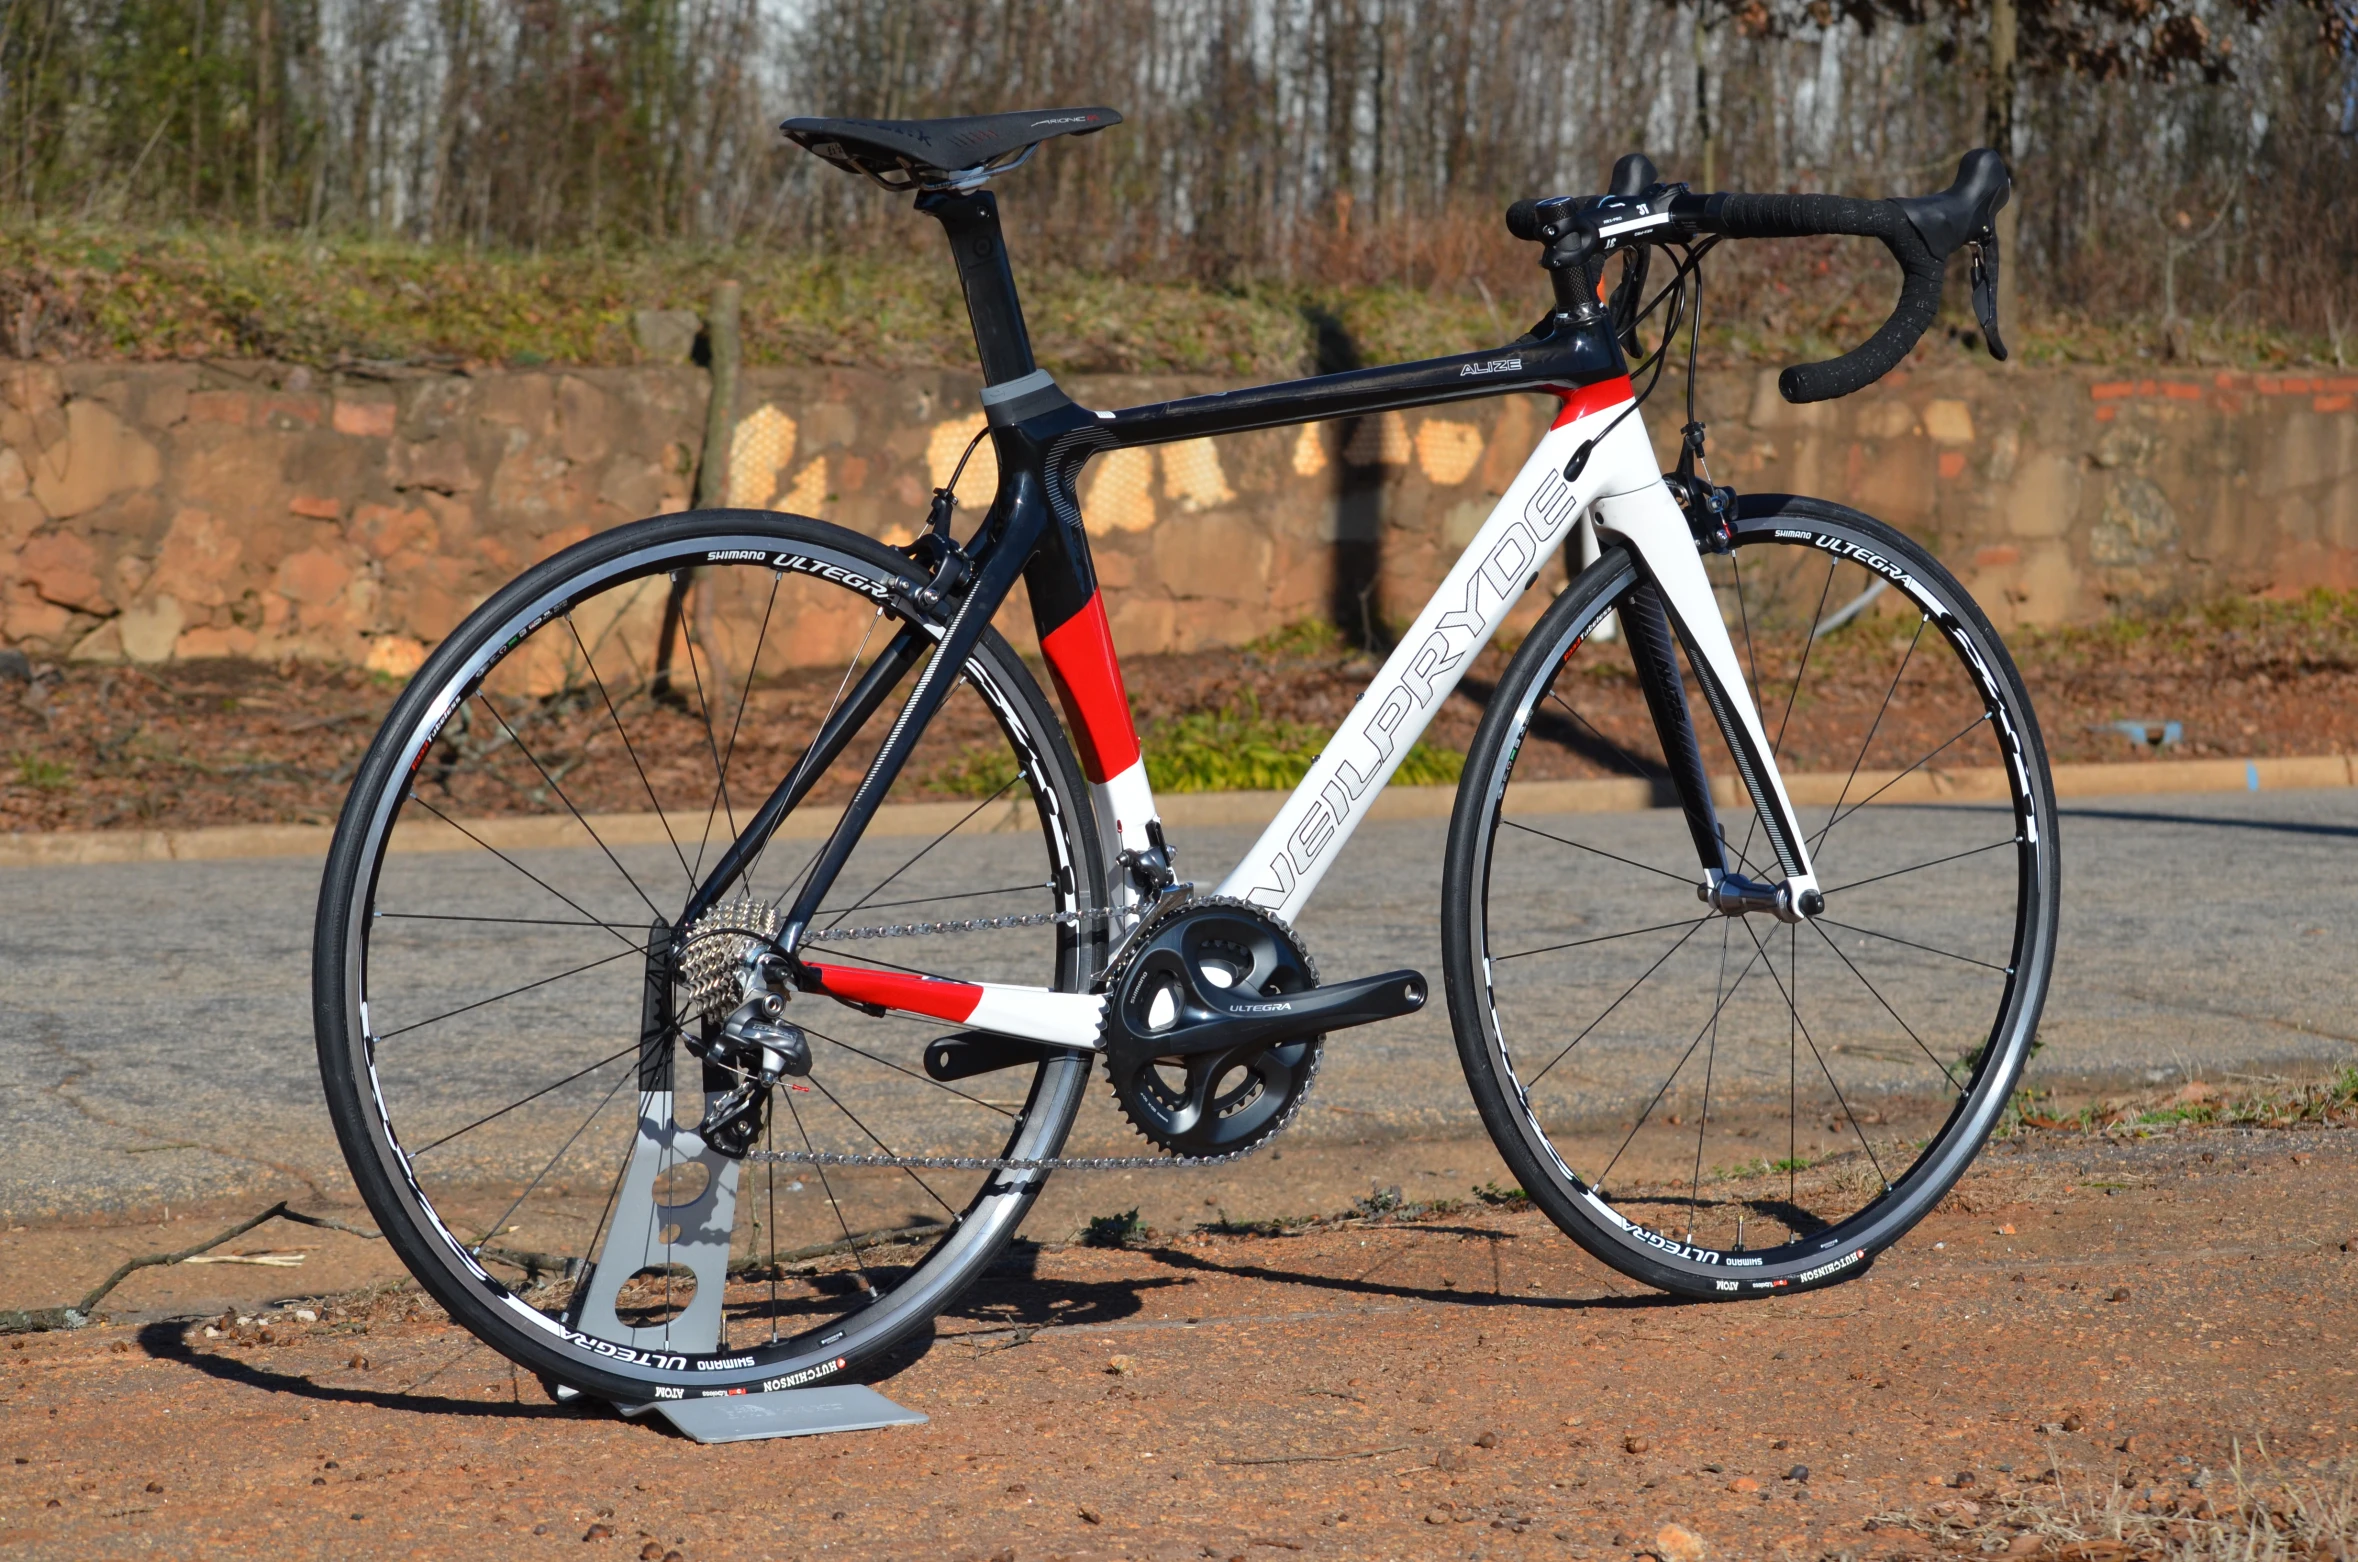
[840, 935]
[1006, 1162]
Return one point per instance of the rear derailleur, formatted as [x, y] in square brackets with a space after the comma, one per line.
[731, 958]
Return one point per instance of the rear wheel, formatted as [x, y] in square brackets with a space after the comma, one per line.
[1733, 1106]
[496, 1009]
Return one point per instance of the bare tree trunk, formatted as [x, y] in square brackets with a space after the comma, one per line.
[1703, 103]
[265, 105]
[2001, 135]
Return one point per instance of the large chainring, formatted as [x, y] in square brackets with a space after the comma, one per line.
[1185, 972]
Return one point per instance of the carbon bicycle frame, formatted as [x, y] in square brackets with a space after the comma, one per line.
[1595, 462]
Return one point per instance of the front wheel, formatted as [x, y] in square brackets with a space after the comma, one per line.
[1729, 1107]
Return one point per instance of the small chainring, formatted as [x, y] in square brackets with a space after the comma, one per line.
[1180, 975]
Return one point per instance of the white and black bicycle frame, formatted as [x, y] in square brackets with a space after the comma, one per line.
[1594, 466]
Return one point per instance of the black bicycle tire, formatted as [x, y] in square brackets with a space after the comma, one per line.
[479, 1302]
[1649, 1257]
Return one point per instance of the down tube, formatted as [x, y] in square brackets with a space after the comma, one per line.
[1534, 515]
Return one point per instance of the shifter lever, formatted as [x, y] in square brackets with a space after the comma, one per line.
[1985, 291]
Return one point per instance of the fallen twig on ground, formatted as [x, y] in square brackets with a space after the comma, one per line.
[36, 1320]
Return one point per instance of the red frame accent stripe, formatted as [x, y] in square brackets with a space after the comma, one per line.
[952, 1001]
[1088, 680]
[1580, 403]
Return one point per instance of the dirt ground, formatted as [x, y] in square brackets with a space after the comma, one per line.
[184, 745]
[2098, 1347]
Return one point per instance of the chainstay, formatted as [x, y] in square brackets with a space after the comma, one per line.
[1007, 1162]
[997, 1162]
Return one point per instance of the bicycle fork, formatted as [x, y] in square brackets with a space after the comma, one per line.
[1675, 599]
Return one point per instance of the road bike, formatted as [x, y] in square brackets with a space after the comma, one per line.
[723, 933]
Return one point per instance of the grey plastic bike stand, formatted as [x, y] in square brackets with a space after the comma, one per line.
[648, 1235]
[793, 1412]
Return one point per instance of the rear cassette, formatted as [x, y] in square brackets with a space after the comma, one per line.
[1176, 989]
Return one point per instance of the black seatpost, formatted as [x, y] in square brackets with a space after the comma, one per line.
[971, 218]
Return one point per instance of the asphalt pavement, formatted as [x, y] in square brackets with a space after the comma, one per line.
[156, 1047]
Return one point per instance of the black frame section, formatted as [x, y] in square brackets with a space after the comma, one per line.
[1033, 529]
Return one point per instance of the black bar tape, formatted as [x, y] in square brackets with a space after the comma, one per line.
[1803, 216]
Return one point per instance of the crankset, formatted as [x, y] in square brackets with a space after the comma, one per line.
[1214, 1022]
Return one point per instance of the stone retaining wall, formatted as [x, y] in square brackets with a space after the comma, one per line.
[157, 512]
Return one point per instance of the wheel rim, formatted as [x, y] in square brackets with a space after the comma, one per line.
[494, 986]
[1749, 1103]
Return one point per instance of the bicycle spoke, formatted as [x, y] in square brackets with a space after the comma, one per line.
[581, 1282]
[1710, 1060]
[1626, 759]
[468, 1008]
[1894, 938]
[1627, 862]
[452, 916]
[1888, 1009]
[907, 1171]
[1873, 727]
[1723, 1001]
[769, 1142]
[1616, 1003]
[1582, 943]
[613, 928]
[1809, 644]
[553, 786]
[720, 772]
[937, 1084]
[1920, 867]
[1777, 744]
[744, 694]
[802, 765]
[828, 1188]
[500, 1224]
[1744, 617]
[1953, 737]
[1793, 1007]
[630, 748]
[525, 1100]
[862, 902]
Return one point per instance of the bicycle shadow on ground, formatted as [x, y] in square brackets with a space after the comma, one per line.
[169, 1342]
[1365, 1282]
[1013, 1295]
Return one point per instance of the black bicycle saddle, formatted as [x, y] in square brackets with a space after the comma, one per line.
[925, 154]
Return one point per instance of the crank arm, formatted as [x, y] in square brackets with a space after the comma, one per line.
[1255, 1021]
[973, 1052]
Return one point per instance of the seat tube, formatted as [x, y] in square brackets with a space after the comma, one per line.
[971, 219]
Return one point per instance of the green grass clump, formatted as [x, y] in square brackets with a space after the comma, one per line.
[43, 774]
[984, 770]
[1237, 749]
[1115, 1230]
